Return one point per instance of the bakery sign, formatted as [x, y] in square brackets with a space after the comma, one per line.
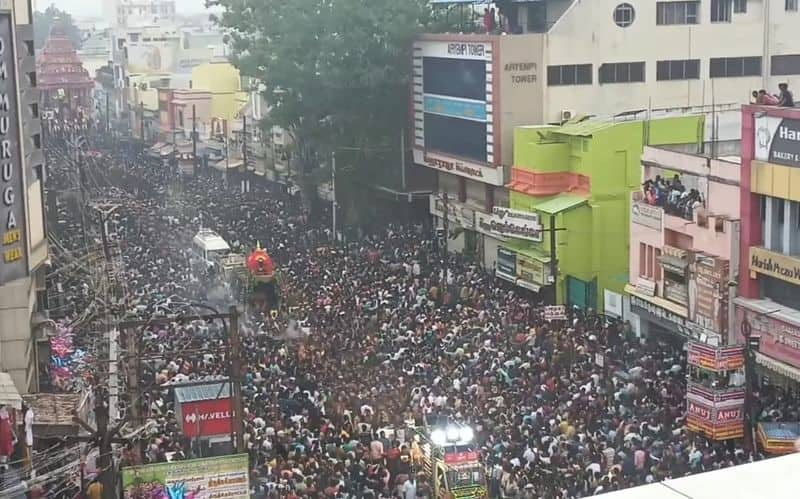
[777, 140]
[482, 173]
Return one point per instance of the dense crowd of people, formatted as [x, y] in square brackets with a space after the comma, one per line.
[673, 196]
[373, 336]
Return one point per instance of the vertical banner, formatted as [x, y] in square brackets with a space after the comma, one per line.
[14, 262]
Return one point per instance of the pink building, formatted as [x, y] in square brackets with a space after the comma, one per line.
[769, 297]
[684, 246]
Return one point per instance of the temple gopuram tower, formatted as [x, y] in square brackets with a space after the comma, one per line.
[65, 84]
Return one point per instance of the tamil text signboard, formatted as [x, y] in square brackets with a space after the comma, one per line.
[14, 264]
[514, 223]
[646, 215]
[225, 476]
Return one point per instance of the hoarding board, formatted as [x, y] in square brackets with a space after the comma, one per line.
[225, 476]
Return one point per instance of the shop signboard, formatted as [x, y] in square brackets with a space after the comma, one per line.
[530, 270]
[475, 171]
[457, 213]
[517, 224]
[715, 413]
[646, 215]
[777, 140]
[717, 359]
[14, 262]
[708, 292]
[483, 224]
[786, 268]
[506, 264]
[206, 418]
[225, 476]
[660, 315]
[779, 340]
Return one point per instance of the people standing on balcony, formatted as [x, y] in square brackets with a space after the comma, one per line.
[489, 23]
[762, 98]
[785, 97]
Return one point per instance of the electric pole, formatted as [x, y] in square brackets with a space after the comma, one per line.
[333, 194]
[194, 140]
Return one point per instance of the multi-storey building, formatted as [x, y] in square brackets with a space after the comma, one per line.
[769, 281]
[684, 255]
[22, 233]
[568, 58]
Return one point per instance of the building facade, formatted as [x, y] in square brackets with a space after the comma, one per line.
[576, 180]
[769, 280]
[684, 259]
[24, 239]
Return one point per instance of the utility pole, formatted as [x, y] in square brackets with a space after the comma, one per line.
[141, 121]
[403, 158]
[244, 141]
[446, 225]
[235, 374]
[553, 258]
[194, 140]
[108, 114]
[333, 193]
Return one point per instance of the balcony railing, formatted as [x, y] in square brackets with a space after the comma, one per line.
[549, 183]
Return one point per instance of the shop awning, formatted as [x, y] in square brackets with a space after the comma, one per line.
[779, 367]
[657, 300]
[505, 276]
[9, 395]
[559, 204]
[528, 285]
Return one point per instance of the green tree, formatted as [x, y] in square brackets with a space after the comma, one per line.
[43, 22]
[336, 74]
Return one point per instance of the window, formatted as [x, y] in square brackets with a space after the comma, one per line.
[730, 67]
[642, 260]
[791, 5]
[678, 70]
[570, 74]
[134, 37]
[739, 6]
[785, 65]
[721, 11]
[624, 15]
[32, 78]
[622, 72]
[657, 270]
[668, 13]
[34, 110]
[29, 48]
[37, 140]
[180, 119]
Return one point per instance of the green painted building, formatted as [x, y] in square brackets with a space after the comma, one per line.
[578, 178]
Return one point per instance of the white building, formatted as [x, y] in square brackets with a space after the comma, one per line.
[130, 13]
[581, 57]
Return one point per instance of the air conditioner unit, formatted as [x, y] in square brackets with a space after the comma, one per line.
[567, 114]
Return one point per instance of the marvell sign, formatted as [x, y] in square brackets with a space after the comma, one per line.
[14, 262]
[777, 140]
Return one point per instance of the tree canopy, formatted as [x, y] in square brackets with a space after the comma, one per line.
[44, 21]
[335, 72]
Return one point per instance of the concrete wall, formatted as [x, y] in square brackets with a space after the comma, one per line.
[16, 344]
[588, 34]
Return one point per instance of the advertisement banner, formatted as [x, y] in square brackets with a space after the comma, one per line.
[708, 293]
[14, 263]
[718, 414]
[457, 213]
[779, 340]
[506, 264]
[715, 359]
[646, 215]
[518, 224]
[530, 270]
[555, 313]
[209, 478]
[777, 140]
[206, 418]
